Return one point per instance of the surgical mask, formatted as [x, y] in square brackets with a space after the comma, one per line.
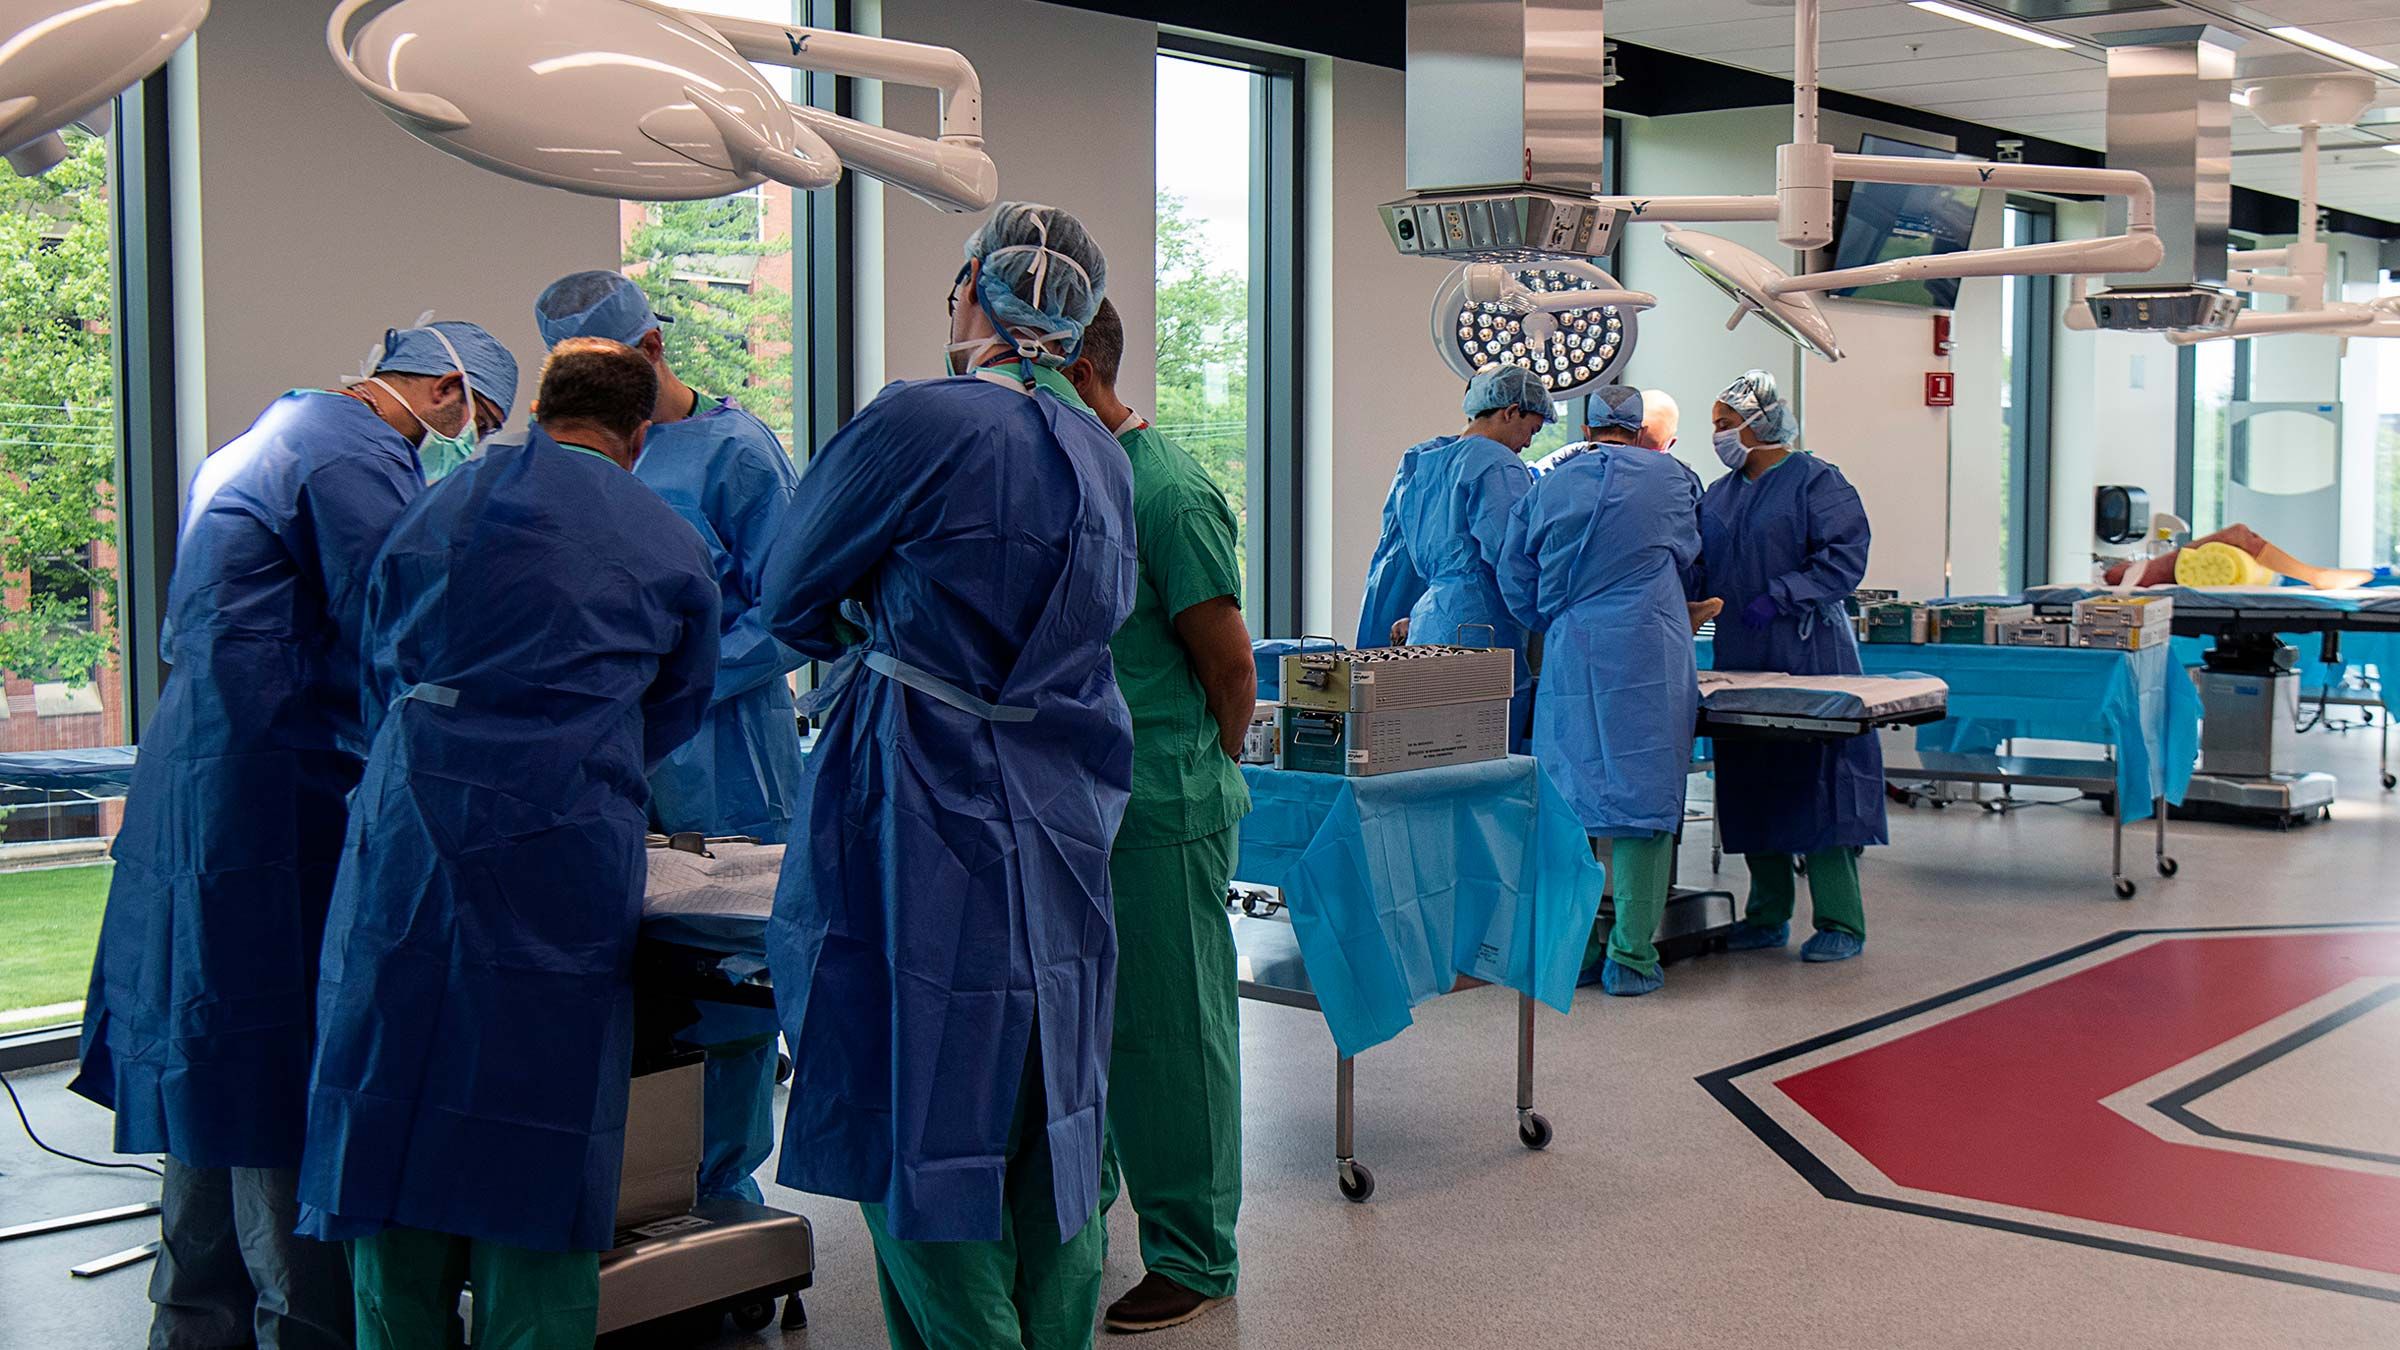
[975, 348]
[437, 454]
[1729, 447]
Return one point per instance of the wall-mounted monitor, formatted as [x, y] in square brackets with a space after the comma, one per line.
[1884, 221]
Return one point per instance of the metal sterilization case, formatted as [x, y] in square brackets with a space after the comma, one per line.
[1389, 679]
[1363, 744]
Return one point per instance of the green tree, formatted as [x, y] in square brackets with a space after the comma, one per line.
[57, 425]
[1203, 352]
[696, 261]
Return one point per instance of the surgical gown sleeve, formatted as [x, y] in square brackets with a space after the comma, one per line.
[1520, 570]
[1492, 497]
[1837, 547]
[1393, 582]
[350, 504]
[679, 695]
[842, 523]
[753, 507]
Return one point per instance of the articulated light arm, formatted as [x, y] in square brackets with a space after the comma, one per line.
[951, 172]
[1691, 210]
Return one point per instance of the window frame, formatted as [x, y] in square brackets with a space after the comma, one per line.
[2031, 409]
[825, 293]
[1278, 227]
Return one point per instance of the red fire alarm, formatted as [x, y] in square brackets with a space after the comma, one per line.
[1941, 335]
[1941, 388]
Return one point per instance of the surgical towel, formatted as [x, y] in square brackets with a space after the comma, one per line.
[1397, 885]
[718, 903]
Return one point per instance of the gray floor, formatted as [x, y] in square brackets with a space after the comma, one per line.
[1655, 1219]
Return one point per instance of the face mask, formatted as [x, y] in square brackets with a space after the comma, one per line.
[438, 454]
[974, 350]
[1729, 447]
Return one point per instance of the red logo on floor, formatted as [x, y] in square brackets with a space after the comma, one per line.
[2219, 1097]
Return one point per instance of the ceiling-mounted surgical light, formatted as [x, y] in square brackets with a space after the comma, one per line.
[632, 99]
[2325, 46]
[62, 61]
[1751, 282]
[1990, 24]
[1568, 322]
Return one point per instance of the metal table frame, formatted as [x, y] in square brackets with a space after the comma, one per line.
[1255, 913]
[2093, 777]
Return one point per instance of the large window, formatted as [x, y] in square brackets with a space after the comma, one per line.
[2383, 404]
[2027, 317]
[61, 673]
[1228, 156]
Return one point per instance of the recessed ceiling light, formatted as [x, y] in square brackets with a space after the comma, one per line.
[2301, 37]
[1986, 21]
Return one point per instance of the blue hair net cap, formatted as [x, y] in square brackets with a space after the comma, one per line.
[416, 351]
[1755, 399]
[1043, 276]
[1501, 387]
[1613, 407]
[595, 304]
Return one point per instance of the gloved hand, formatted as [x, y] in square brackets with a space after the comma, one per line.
[1760, 613]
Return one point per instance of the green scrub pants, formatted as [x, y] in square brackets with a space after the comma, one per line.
[1637, 877]
[1026, 1290]
[1175, 1071]
[1833, 892]
[407, 1282]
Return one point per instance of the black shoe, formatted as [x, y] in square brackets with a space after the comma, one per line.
[1156, 1304]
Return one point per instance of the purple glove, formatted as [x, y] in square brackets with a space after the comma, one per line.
[1760, 613]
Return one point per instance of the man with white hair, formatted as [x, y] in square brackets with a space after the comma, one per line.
[1660, 418]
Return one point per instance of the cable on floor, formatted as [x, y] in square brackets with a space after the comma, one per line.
[27, 1122]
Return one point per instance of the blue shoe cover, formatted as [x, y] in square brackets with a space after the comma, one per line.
[1751, 937]
[1832, 944]
[1625, 982]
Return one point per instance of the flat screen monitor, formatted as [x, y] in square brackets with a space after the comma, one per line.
[1885, 221]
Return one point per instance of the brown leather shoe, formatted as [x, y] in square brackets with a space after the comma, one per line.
[1156, 1304]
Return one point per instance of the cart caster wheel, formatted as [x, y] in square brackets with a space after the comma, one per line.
[1358, 1184]
[1940, 805]
[2108, 806]
[1800, 864]
[795, 1314]
[1533, 1131]
[2390, 782]
[2167, 867]
[755, 1315]
[2125, 888]
[783, 1067]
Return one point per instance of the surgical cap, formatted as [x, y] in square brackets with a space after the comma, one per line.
[1615, 407]
[1755, 400]
[1501, 387]
[1043, 275]
[416, 351]
[607, 305]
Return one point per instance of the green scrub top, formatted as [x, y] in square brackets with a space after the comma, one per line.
[1184, 785]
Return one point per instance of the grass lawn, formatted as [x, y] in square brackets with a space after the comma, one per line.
[49, 923]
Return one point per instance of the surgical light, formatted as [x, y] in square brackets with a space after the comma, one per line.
[2325, 46]
[1567, 321]
[1987, 22]
[1750, 281]
[636, 100]
[62, 61]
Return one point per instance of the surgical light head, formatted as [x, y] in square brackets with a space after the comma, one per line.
[1749, 281]
[1490, 314]
[62, 61]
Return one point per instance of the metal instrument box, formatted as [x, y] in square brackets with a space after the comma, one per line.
[2037, 633]
[1389, 679]
[2124, 623]
[1363, 744]
[1897, 622]
[1976, 625]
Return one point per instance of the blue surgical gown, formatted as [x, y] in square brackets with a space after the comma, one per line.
[541, 630]
[1596, 561]
[1799, 535]
[946, 897]
[724, 471]
[203, 996]
[1444, 526]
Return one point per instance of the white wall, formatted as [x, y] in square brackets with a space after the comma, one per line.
[1069, 109]
[322, 223]
[2113, 411]
[1376, 385]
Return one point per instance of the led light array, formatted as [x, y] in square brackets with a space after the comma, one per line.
[1580, 351]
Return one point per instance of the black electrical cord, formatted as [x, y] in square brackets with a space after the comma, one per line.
[27, 1122]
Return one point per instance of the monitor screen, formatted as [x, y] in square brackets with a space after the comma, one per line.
[1885, 221]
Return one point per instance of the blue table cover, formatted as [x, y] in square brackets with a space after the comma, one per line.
[105, 772]
[2141, 704]
[1397, 885]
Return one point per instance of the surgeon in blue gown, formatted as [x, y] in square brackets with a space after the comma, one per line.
[1444, 525]
[726, 473]
[942, 942]
[202, 1004]
[541, 630]
[1783, 541]
[1596, 561]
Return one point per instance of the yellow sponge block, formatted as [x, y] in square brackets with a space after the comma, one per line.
[2220, 564]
